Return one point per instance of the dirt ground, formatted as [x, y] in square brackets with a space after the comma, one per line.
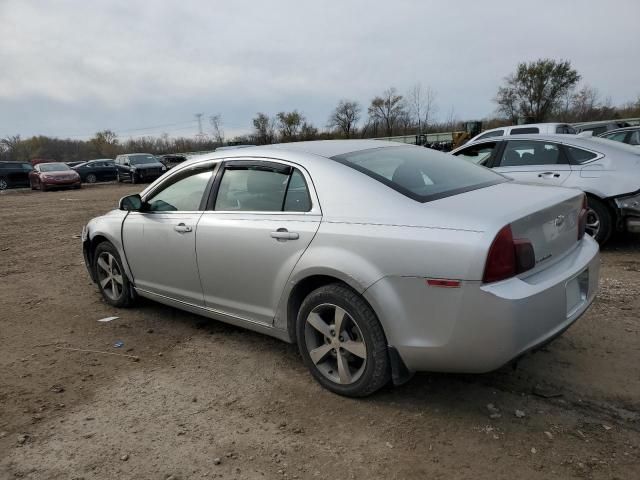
[207, 400]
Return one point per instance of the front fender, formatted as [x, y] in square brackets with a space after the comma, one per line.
[106, 228]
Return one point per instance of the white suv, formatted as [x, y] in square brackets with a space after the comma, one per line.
[532, 129]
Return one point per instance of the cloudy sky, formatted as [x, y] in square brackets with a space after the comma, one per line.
[71, 67]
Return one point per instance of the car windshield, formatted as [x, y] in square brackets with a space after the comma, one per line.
[420, 173]
[142, 159]
[53, 167]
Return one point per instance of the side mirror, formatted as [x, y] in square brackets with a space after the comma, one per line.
[130, 203]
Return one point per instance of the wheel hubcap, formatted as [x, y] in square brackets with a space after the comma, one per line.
[91, 179]
[592, 224]
[335, 344]
[110, 276]
[3, 185]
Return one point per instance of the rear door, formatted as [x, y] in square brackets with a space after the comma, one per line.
[533, 161]
[263, 216]
[160, 241]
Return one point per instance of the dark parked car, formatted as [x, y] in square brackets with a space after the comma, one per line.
[14, 174]
[171, 160]
[46, 176]
[628, 135]
[138, 167]
[101, 170]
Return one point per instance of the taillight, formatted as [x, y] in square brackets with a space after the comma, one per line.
[582, 218]
[508, 257]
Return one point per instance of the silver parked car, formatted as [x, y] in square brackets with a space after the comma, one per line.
[526, 129]
[377, 259]
[628, 135]
[609, 172]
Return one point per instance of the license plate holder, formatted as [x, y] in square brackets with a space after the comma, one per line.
[577, 292]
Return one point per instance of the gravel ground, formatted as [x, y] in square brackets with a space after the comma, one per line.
[207, 400]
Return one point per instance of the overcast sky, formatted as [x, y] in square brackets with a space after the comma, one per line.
[69, 68]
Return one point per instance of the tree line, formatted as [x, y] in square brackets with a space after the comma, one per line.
[539, 91]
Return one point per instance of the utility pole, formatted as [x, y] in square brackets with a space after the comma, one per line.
[200, 135]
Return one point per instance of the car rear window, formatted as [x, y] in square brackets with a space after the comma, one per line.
[524, 130]
[420, 173]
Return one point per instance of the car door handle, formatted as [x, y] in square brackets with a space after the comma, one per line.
[284, 234]
[549, 175]
[182, 228]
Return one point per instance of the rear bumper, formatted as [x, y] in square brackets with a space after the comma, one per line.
[478, 328]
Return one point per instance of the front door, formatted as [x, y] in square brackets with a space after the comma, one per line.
[160, 241]
[533, 161]
[264, 216]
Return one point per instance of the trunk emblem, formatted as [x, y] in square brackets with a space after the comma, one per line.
[559, 220]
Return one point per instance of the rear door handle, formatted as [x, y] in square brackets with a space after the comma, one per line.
[182, 228]
[549, 175]
[283, 234]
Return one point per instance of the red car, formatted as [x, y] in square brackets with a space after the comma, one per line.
[45, 176]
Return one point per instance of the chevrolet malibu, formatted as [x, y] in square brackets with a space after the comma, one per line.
[377, 259]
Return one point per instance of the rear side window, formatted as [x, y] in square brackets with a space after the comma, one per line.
[420, 173]
[256, 189]
[634, 139]
[565, 129]
[524, 130]
[617, 137]
[578, 155]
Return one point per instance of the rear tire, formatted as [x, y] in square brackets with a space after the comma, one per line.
[342, 342]
[4, 184]
[599, 220]
[110, 276]
[91, 178]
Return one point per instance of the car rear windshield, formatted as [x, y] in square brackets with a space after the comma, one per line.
[420, 173]
[53, 167]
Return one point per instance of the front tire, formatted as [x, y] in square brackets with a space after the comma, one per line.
[3, 184]
[91, 178]
[341, 342]
[112, 281]
[599, 220]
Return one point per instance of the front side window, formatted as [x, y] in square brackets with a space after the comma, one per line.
[578, 155]
[420, 173]
[617, 137]
[566, 129]
[524, 130]
[479, 154]
[261, 189]
[185, 195]
[528, 152]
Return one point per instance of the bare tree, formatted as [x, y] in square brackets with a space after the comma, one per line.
[534, 90]
[387, 109]
[584, 102]
[105, 143]
[345, 117]
[218, 132]
[264, 129]
[289, 124]
[422, 105]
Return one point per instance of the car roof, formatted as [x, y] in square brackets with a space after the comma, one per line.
[331, 148]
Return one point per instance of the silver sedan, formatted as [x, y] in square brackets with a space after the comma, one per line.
[377, 259]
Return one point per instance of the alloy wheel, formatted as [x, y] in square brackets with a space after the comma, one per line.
[3, 184]
[110, 276]
[91, 178]
[592, 224]
[335, 344]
